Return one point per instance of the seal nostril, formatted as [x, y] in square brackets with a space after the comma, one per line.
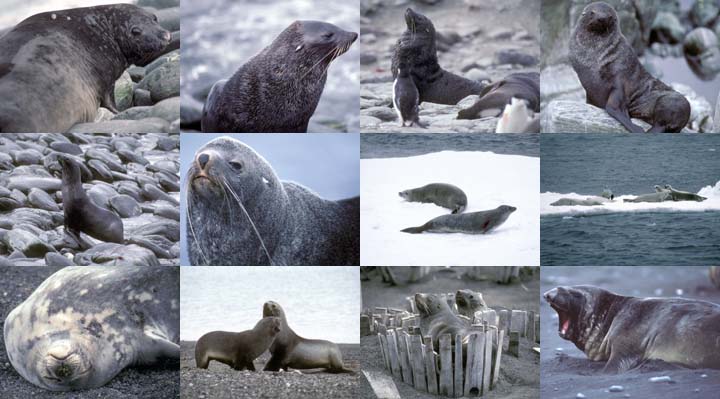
[203, 160]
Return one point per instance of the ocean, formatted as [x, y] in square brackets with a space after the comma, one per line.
[406, 145]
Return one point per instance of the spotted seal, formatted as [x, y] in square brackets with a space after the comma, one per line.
[470, 223]
[237, 350]
[441, 194]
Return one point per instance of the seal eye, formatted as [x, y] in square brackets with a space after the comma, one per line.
[236, 165]
[136, 31]
[328, 35]
[155, 18]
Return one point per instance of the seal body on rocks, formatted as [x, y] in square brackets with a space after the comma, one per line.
[406, 98]
[626, 331]
[81, 214]
[468, 302]
[614, 79]
[469, 223]
[240, 213]
[237, 350]
[494, 97]
[292, 351]
[416, 48]
[278, 89]
[440, 194]
[57, 68]
[83, 325]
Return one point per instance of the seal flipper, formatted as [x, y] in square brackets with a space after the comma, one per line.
[617, 108]
[622, 359]
[156, 346]
[415, 230]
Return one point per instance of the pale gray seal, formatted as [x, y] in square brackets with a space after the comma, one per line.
[289, 350]
[237, 350]
[626, 331]
[278, 89]
[468, 302]
[240, 213]
[83, 325]
[605, 197]
[683, 195]
[440, 194]
[469, 223]
[57, 68]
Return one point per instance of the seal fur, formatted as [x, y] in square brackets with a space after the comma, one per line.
[494, 97]
[470, 223]
[237, 350]
[468, 302]
[441, 194]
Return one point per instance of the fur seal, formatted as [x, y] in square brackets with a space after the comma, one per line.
[292, 351]
[83, 325]
[468, 302]
[416, 49]
[240, 213]
[436, 318]
[406, 98]
[683, 195]
[468, 223]
[278, 89]
[440, 194]
[626, 331]
[81, 214]
[237, 350]
[64, 64]
[614, 79]
[494, 97]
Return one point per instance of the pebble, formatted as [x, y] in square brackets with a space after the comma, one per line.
[580, 396]
[660, 379]
[616, 388]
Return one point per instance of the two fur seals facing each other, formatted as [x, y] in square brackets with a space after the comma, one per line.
[83, 325]
[469, 223]
[240, 213]
[440, 194]
[237, 350]
[292, 351]
[57, 68]
[616, 81]
[468, 302]
[495, 96]
[626, 331]
[605, 197]
[278, 89]
[81, 214]
[683, 195]
[406, 98]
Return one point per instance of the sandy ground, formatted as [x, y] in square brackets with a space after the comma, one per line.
[566, 371]
[519, 377]
[221, 381]
[150, 382]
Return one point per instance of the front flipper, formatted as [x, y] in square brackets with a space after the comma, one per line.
[622, 359]
[156, 346]
[617, 108]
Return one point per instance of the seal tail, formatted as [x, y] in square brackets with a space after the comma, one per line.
[415, 230]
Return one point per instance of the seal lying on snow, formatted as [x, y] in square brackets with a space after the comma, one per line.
[626, 331]
[605, 197]
[440, 194]
[237, 350]
[83, 325]
[469, 223]
[683, 195]
[57, 68]
[278, 90]
[667, 193]
[240, 213]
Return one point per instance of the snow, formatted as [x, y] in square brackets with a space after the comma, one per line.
[489, 180]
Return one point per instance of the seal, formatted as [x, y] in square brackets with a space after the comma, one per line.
[406, 98]
[626, 331]
[234, 198]
[605, 197]
[469, 223]
[83, 325]
[494, 97]
[683, 195]
[237, 350]
[468, 302]
[278, 89]
[81, 214]
[416, 48]
[289, 350]
[65, 64]
[614, 79]
[436, 319]
[440, 194]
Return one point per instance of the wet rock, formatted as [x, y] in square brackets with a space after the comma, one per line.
[111, 160]
[168, 229]
[153, 193]
[124, 87]
[110, 254]
[27, 157]
[27, 243]
[168, 182]
[42, 200]
[123, 126]
[367, 59]
[168, 212]
[100, 171]
[125, 206]
[159, 245]
[164, 81]
[25, 183]
[55, 259]
[6, 162]
[168, 110]
[67, 148]
[142, 98]
[8, 204]
[168, 143]
[130, 156]
[137, 73]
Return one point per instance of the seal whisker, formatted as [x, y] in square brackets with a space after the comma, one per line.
[190, 224]
[317, 63]
[250, 220]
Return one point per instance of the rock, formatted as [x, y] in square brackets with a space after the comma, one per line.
[159, 4]
[27, 243]
[8, 204]
[701, 112]
[110, 159]
[168, 143]
[6, 162]
[55, 259]
[111, 254]
[65, 147]
[367, 59]
[190, 111]
[716, 120]
[169, 229]
[478, 75]
[168, 212]
[515, 57]
[169, 18]
[174, 126]
[703, 12]
[25, 183]
[155, 125]
[153, 193]
[100, 171]
[142, 98]
[616, 388]
[164, 81]
[103, 114]
[42, 200]
[26, 157]
[667, 29]
[159, 245]
[137, 73]
[577, 117]
[168, 110]
[383, 113]
[124, 87]
[560, 82]
[125, 206]
[702, 53]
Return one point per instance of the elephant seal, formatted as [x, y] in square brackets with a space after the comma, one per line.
[683, 195]
[81, 214]
[468, 302]
[494, 97]
[83, 325]
[626, 331]
[240, 213]
[436, 318]
[416, 49]
[406, 98]
[440, 194]
[614, 79]
[278, 89]
[292, 351]
[57, 68]
[237, 350]
[468, 223]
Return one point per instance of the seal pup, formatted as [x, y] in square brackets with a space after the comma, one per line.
[278, 89]
[240, 213]
[468, 302]
[406, 98]
[626, 331]
[289, 350]
[614, 79]
[468, 223]
[683, 195]
[237, 350]
[81, 214]
[517, 118]
[440, 194]
[83, 325]
[494, 97]
[65, 64]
